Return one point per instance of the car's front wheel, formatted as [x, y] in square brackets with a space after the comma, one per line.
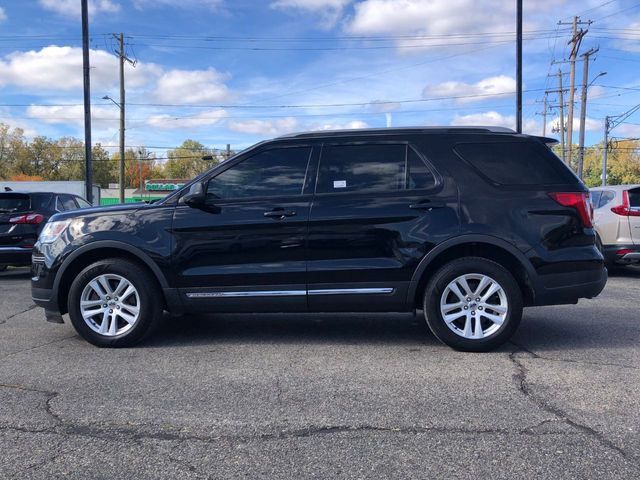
[473, 304]
[114, 303]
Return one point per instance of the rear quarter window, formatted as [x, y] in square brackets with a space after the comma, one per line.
[515, 163]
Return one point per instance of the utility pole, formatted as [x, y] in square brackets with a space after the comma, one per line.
[606, 151]
[544, 116]
[611, 122]
[121, 175]
[576, 40]
[561, 94]
[88, 164]
[519, 66]
[583, 107]
[122, 56]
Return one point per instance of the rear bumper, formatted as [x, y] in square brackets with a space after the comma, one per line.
[569, 287]
[15, 256]
[622, 254]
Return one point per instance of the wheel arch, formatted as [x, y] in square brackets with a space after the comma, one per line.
[485, 246]
[88, 254]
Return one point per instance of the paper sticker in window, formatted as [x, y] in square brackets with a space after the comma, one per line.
[339, 184]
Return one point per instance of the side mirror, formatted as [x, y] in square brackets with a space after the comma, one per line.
[196, 195]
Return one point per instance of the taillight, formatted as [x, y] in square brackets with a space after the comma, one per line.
[625, 209]
[31, 219]
[579, 201]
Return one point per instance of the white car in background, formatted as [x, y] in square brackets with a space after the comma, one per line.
[616, 217]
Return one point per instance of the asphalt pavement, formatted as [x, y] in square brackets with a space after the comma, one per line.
[323, 396]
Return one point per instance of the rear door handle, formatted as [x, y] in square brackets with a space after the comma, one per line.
[426, 205]
[279, 213]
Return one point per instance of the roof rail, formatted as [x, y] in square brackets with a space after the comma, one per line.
[398, 130]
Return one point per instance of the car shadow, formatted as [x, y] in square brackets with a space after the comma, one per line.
[288, 328]
[16, 273]
[624, 272]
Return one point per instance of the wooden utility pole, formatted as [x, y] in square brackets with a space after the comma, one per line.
[88, 164]
[122, 56]
[121, 176]
[583, 107]
[544, 116]
[561, 94]
[576, 40]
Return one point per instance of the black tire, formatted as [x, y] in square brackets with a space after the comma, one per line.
[150, 302]
[468, 265]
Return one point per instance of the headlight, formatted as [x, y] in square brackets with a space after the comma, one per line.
[52, 231]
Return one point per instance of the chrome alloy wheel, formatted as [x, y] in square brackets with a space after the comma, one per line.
[110, 305]
[474, 306]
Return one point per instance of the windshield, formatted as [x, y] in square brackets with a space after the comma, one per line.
[14, 202]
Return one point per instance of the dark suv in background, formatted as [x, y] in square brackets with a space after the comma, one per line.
[469, 225]
[22, 216]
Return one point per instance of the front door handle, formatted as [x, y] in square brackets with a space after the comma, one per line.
[279, 213]
[426, 205]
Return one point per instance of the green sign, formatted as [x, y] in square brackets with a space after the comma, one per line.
[155, 187]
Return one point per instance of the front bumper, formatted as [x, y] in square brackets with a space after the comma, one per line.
[15, 256]
[45, 298]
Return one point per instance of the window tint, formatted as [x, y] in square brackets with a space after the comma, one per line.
[272, 173]
[515, 163]
[40, 201]
[14, 202]
[606, 198]
[420, 176]
[82, 202]
[594, 196]
[68, 203]
[358, 168]
[634, 198]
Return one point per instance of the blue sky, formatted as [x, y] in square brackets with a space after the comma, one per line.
[223, 71]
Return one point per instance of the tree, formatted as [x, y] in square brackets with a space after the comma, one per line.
[186, 160]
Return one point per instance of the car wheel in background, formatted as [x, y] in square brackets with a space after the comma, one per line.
[473, 304]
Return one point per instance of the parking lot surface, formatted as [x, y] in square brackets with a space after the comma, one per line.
[323, 396]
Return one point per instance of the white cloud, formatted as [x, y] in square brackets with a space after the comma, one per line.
[328, 10]
[264, 127]
[352, 125]
[495, 119]
[380, 106]
[3, 15]
[60, 69]
[492, 86]
[101, 117]
[192, 86]
[591, 125]
[202, 119]
[72, 7]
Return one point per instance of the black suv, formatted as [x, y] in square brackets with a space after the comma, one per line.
[468, 224]
[22, 216]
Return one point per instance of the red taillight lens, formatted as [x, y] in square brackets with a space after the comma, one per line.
[579, 201]
[625, 209]
[31, 219]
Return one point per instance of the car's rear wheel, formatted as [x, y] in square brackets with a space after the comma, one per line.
[114, 303]
[473, 304]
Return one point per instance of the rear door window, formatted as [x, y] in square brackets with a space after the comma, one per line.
[515, 163]
[68, 202]
[595, 198]
[362, 168]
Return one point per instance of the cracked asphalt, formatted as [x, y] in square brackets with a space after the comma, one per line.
[324, 396]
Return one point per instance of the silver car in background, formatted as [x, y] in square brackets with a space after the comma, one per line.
[616, 217]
